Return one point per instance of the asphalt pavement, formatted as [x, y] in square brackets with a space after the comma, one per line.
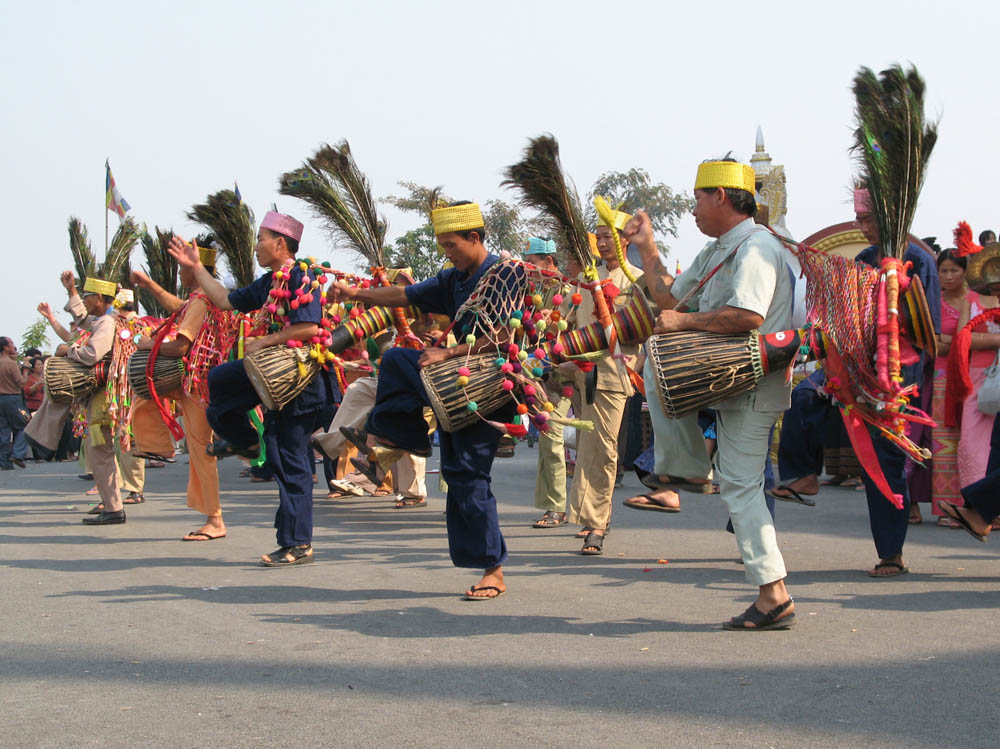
[123, 636]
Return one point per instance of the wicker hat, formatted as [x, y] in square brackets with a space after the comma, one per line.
[457, 218]
[99, 286]
[729, 174]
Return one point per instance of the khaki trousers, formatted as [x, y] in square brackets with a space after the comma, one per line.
[102, 464]
[358, 401]
[550, 486]
[131, 471]
[596, 461]
[152, 436]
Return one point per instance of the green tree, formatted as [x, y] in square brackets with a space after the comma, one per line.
[36, 336]
[417, 250]
[629, 191]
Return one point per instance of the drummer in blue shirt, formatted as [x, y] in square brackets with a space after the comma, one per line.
[231, 395]
[396, 421]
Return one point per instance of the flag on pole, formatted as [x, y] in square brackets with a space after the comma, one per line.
[677, 270]
[236, 189]
[115, 202]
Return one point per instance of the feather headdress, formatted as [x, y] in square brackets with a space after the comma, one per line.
[339, 194]
[892, 142]
[539, 178]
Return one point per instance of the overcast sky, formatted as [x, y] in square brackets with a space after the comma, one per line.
[186, 97]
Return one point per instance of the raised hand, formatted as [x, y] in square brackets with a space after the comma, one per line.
[639, 231]
[67, 280]
[140, 279]
[45, 309]
[184, 253]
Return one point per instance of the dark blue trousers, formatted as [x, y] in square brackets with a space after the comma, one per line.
[286, 441]
[984, 496]
[800, 453]
[994, 461]
[474, 537]
[12, 423]
[803, 430]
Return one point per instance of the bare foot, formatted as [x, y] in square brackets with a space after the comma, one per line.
[492, 578]
[213, 528]
[889, 567]
[974, 519]
[667, 499]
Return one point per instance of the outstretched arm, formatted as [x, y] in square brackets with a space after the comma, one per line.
[46, 311]
[166, 300]
[387, 296]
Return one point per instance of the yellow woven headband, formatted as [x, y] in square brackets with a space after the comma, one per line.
[207, 255]
[713, 174]
[97, 286]
[608, 216]
[457, 218]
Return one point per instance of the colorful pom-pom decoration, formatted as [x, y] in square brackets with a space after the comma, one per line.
[462, 381]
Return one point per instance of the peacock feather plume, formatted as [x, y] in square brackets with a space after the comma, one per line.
[543, 186]
[892, 143]
[339, 194]
[79, 245]
[231, 222]
[120, 250]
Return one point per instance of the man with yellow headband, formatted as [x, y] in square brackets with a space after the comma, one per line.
[596, 471]
[45, 429]
[750, 291]
[397, 419]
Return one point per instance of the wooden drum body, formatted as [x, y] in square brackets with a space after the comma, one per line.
[696, 370]
[67, 380]
[168, 373]
[279, 374]
[450, 402]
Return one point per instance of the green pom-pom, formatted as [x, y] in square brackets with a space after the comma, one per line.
[501, 361]
[537, 371]
[470, 339]
[473, 406]
[326, 263]
[518, 314]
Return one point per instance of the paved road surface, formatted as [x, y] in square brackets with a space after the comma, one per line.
[122, 636]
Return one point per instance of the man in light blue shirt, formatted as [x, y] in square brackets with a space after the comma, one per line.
[750, 291]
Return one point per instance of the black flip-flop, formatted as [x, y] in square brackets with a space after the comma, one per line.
[952, 511]
[796, 497]
[204, 536]
[900, 569]
[152, 456]
[652, 504]
[469, 597]
[367, 469]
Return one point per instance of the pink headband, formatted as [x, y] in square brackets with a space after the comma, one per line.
[279, 223]
[862, 201]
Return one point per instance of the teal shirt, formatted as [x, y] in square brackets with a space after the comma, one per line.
[756, 278]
